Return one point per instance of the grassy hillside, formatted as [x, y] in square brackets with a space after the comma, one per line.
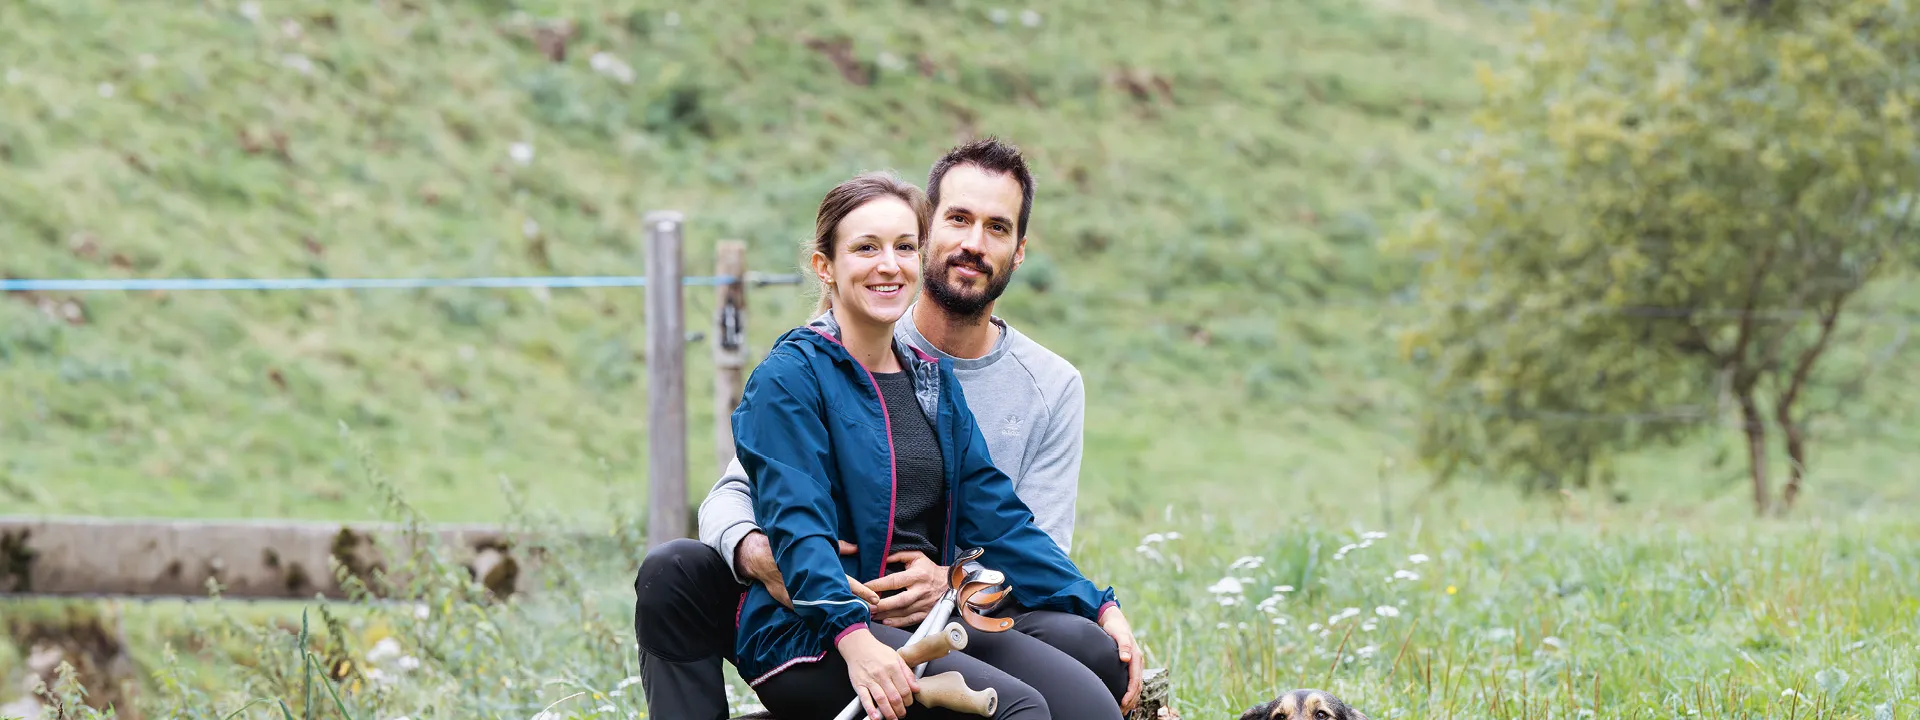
[1207, 174]
[1214, 181]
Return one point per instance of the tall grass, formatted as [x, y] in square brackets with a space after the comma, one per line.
[1445, 615]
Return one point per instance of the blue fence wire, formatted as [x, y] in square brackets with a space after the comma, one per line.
[586, 281]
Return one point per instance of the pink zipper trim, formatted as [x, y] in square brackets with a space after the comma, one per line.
[893, 469]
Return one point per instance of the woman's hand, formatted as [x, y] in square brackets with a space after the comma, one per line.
[1116, 626]
[881, 678]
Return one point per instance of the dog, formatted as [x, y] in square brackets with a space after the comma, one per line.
[1303, 704]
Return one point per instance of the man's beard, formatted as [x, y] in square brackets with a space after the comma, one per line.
[965, 303]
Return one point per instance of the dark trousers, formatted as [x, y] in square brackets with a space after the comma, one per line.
[685, 598]
[1034, 681]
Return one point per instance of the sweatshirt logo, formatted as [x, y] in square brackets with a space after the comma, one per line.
[1010, 426]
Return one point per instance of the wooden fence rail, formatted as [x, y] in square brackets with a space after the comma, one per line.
[269, 559]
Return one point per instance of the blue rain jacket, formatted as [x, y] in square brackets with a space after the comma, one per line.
[813, 434]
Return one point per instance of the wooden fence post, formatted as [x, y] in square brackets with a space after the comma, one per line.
[729, 345]
[666, 381]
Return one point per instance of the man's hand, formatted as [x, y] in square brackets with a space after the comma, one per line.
[754, 559]
[921, 585]
[1116, 626]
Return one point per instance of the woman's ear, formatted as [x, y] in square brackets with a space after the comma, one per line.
[823, 269]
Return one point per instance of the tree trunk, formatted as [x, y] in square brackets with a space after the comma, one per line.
[1783, 414]
[1756, 447]
[1796, 457]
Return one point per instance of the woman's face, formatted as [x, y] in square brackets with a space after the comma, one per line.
[875, 268]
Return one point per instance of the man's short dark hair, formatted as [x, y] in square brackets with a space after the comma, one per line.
[993, 156]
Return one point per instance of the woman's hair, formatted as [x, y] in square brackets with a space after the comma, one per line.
[849, 196]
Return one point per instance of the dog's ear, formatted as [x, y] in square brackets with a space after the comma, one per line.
[1261, 711]
[1355, 714]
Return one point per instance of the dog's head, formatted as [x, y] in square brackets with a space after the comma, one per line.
[1304, 704]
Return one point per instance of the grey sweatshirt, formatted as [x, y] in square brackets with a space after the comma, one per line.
[1030, 404]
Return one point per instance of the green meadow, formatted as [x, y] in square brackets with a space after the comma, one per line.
[1216, 185]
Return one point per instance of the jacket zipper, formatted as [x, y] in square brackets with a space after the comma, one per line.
[893, 464]
[893, 470]
[953, 488]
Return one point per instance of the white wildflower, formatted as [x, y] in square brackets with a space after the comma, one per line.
[1029, 18]
[520, 152]
[1271, 604]
[529, 228]
[1417, 558]
[1220, 626]
[106, 90]
[1366, 652]
[409, 662]
[1405, 575]
[1227, 586]
[1342, 615]
[673, 19]
[421, 611]
[611, 66]
[1387, 611]
[1373, 535]
[14, 77]
[1553, 642]
[297, 63]
[386, 648]
[1248, 562]
[147, 61]
[1283, 588]
[1278, 620]
[998, 16]
[290, 28]
[250, 10]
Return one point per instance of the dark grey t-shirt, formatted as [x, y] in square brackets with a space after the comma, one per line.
[919, 506]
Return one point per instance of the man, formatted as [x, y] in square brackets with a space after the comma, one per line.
[1029, 403]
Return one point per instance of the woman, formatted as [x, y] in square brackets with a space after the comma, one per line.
[849, 434]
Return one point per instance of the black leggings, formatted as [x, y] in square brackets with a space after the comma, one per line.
[1034, 681]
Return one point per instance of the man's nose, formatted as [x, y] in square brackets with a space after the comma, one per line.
[975, 239]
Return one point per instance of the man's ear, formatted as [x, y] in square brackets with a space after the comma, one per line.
[1020, 252]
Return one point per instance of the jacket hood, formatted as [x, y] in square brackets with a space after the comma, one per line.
[824, 332]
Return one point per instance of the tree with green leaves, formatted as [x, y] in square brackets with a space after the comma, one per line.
[1666, 204]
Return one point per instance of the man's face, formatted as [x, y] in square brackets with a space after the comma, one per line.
[973, 246]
